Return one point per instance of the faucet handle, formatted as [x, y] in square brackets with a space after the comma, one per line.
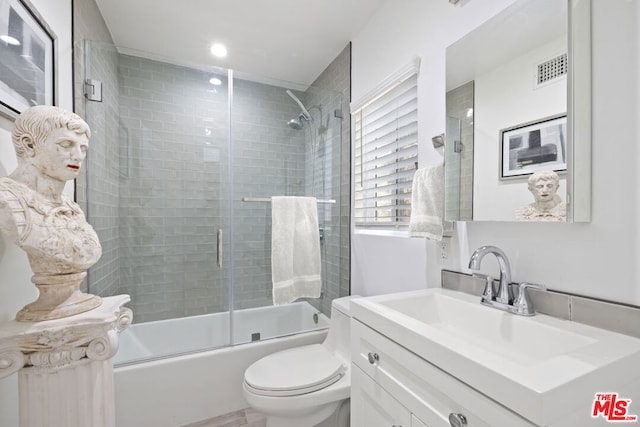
[523, 304]
[489, 292]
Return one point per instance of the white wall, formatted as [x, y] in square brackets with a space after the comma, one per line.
[598, 259]
[396, 34]
[16, 288]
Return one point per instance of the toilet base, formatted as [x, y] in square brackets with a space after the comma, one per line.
[334, 414]
[341, 416]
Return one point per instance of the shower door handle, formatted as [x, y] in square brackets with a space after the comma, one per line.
[219, 237]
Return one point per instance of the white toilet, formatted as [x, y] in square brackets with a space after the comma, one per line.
[306, 386]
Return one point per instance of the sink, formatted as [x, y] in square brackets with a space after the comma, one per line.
[513, 337]
[540, 367]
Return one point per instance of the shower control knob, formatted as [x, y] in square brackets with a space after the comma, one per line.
[457, 420]
[373, 358]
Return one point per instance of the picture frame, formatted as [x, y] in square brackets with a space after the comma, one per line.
[27, 68]
[534, 146]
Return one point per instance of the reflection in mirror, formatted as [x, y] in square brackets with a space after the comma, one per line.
[459, 153]
[507, 112]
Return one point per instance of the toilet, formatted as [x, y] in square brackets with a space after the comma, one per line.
[306, 386]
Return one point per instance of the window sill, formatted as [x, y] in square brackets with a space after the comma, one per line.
[382, 232]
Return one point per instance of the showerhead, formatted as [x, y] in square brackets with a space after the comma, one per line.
[295, 124]
[305, 113]
[298, 122]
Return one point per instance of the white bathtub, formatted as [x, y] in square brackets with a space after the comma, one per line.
[196, 385]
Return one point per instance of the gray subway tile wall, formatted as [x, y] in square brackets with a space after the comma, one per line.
[173, 188]
[168, 192]
[337, 77]
[268, 160]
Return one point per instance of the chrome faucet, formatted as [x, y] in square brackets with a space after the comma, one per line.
[503, 298]
[504, 294]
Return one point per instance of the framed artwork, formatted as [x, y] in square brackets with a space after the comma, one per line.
[534, 146]
[27, 58]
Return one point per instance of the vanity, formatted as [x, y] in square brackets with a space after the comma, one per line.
[437, 357]
[442, 357]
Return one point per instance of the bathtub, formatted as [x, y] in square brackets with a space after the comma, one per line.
[175, 372]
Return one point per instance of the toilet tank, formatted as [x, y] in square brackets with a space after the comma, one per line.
[338, 340]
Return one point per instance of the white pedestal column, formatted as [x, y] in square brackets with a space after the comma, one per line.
[64, 365]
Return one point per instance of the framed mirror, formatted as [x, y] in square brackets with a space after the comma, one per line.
[518, 142]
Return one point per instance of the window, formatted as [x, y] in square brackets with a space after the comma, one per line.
[386, 154]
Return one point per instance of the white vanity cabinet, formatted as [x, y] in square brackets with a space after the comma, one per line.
[392, 386]
[372, 406]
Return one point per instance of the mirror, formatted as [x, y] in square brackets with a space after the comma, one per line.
[513, 85]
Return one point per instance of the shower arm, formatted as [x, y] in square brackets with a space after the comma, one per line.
[305, 113]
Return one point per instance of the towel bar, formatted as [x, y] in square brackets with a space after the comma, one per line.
[267, 199]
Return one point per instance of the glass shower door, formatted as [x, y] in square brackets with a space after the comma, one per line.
[276, 153]
[175, 156]
[158, 191]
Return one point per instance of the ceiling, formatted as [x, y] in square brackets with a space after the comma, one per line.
[282, 40]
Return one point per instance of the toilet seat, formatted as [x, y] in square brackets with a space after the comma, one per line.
[294, 371]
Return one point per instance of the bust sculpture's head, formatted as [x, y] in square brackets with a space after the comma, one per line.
[52, 140]
[544, 185]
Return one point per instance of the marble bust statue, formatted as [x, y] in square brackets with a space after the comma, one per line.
[50, 145]
[547, 205]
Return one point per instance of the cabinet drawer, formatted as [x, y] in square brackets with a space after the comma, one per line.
[425, 390]
[372, 406]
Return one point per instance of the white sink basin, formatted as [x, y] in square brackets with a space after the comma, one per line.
[514, 337]
[541, 367]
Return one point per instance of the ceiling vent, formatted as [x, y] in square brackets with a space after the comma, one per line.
[551, 70]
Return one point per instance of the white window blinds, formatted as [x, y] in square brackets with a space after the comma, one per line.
[386, 156]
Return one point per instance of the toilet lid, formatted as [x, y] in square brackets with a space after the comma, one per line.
[294, 371]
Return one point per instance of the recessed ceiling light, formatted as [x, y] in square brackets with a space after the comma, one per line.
[10, 40]
[215, 81]
[218, 50]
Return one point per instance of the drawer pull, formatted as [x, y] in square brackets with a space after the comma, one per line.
[457, 420]
[373, 358]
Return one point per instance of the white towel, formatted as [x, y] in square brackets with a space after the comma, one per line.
[427, 203]
[295, 249]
